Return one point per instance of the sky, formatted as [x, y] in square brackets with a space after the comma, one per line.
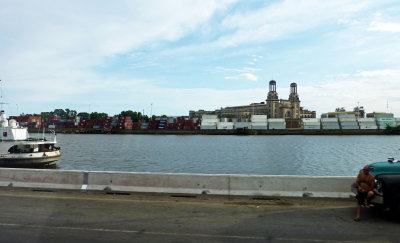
[168, 57]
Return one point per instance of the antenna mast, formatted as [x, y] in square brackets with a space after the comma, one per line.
[1, 96]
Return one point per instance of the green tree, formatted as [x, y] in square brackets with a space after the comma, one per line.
[61, 113]
[83, 115]
[46, 115]
[98, 116]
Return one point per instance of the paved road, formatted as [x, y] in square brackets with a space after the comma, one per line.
[40, 216]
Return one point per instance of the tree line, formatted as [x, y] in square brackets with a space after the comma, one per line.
[67, 113]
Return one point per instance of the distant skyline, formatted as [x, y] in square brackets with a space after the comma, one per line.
[181, 55]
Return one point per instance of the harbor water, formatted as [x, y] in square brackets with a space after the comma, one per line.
[204, 154]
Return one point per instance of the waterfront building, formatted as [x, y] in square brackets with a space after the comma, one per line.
[273, 107]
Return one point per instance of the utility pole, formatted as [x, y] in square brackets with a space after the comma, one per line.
[151, 111]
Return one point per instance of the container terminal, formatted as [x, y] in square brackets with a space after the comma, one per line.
[272, 116]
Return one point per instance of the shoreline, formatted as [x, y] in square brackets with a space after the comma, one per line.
[211, 132]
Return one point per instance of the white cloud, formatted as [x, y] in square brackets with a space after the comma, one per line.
[245, 76]
[385, 27]
[282, 19]
[57, 37]
[372, 88]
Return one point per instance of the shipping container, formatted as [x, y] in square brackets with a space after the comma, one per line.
[372, 127]
[208, 127]
[329, 120]
[241, 125]
[225, 125]
[259, 126]
[276, 127]
[312, 127]
[276, 120]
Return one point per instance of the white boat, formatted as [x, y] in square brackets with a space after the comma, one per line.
[17, 149]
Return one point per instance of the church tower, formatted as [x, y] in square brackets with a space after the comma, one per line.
[272, 101]
[295, 101]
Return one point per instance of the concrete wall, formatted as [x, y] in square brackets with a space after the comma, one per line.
[33, 178]
[245, 185]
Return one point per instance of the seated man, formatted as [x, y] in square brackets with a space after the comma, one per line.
[365, 186]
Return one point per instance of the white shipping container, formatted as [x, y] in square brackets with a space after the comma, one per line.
[347, 119]
[241, 125]
[208, 124]
[329, 120]
[311, 124]
[351, 128]
[349, 123]
[325, 127]
[346, 115]
[208, 127]
[210, 120]
[304, 120]
[276, 120]
[259, 123]
[259, 127]
[225, 126]
[220, 127]
[276, 127]
[366, 119]
[208, 117]
[312, 127]
[369, 127]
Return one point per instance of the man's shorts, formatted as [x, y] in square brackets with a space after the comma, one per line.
[361, 196]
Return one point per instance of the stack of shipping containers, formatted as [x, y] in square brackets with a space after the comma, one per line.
[225, 125]
[208, 122]
[276, 124]
[125, 122]
[348, 122]
[241, 125]
[107, 123]
[189, 125]
[180, 123]
[259, 122]
[385, 119]
[162, 124]
[330, 123]
[136, 125]
[367, 124]
[144, 126]
[154, 124]
[311, 123]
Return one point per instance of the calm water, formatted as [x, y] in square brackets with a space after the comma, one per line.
[269, 155]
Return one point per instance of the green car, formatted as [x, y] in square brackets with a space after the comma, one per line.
[387, 180]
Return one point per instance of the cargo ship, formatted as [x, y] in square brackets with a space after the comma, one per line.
[17, 149]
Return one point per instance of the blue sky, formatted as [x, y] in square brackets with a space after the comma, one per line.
[109, 56]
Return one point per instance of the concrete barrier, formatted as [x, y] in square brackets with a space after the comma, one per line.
[293, 186]
[243, 185]
[159, 182]
[45, 179]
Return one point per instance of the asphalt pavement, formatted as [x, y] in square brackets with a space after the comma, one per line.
[66, 216]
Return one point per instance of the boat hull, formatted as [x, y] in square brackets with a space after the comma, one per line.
[30, 160]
